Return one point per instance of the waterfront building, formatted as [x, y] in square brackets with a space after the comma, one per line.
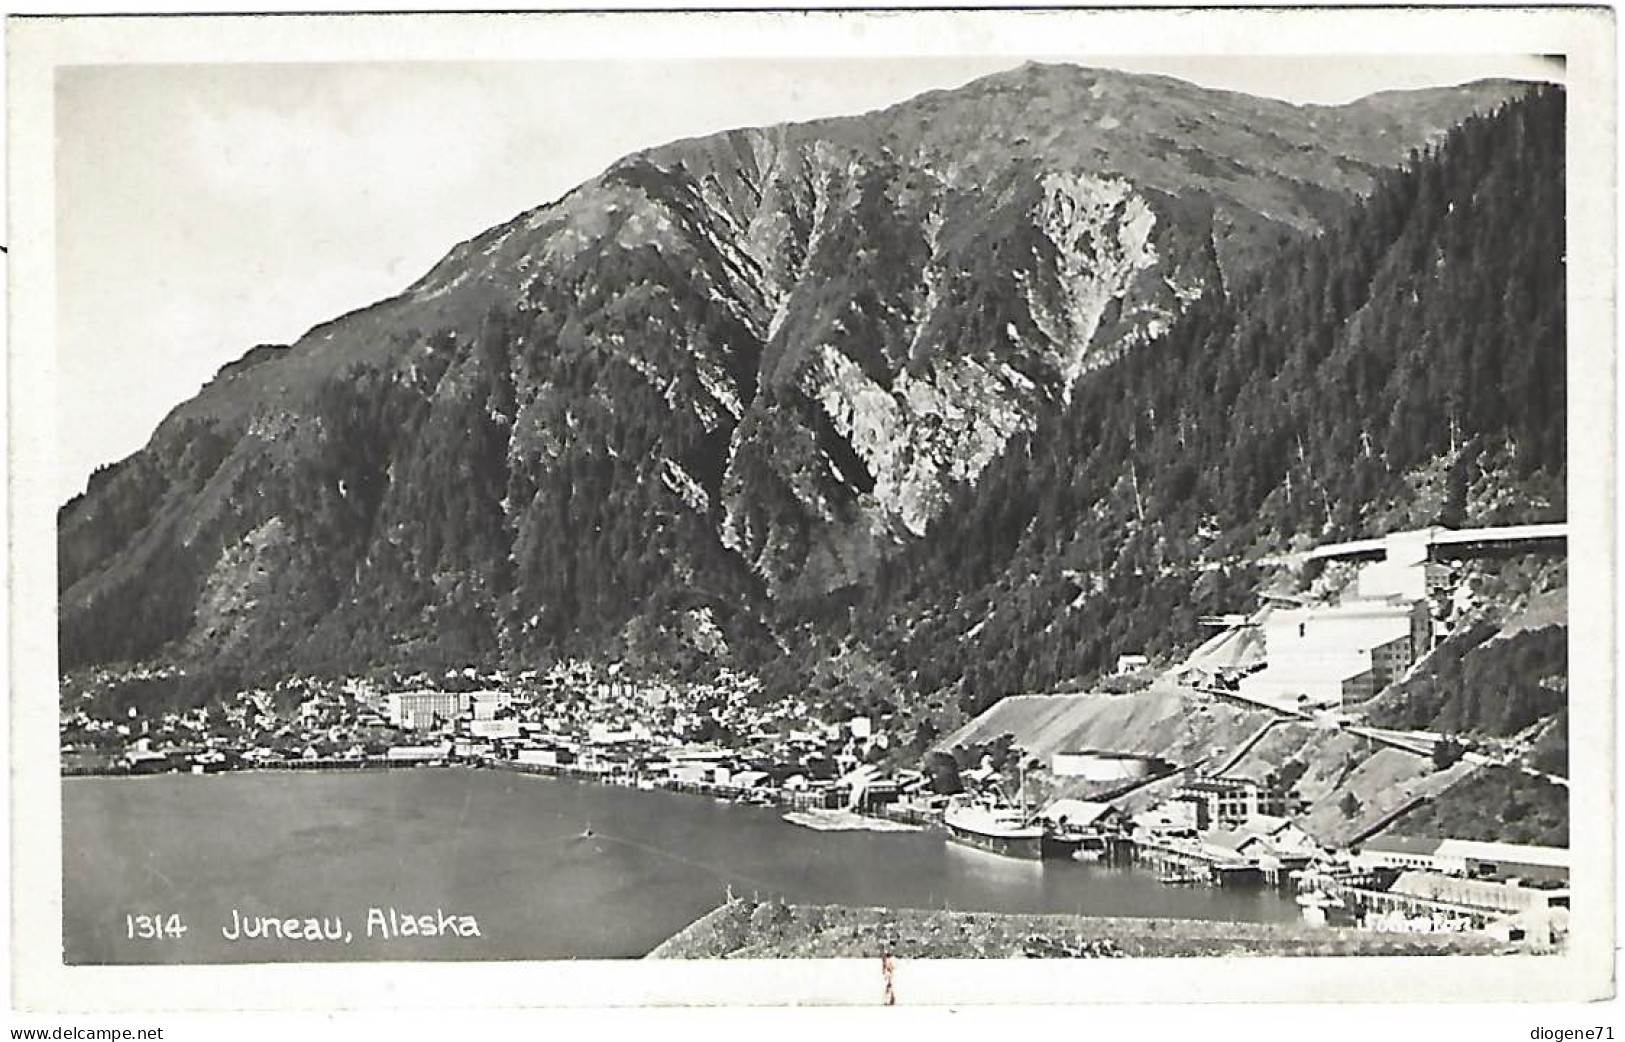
[416, 753]
[469, 748]
[1230, 845]
[540, 756]
[1463, 857]
[141, 757]
[1487, 895]
[1081, 815]
[864, 790]
[1169, 818]
[1268, 842]
[425, 710]
[701, 772]
[1286, 839]
[1406, 853]
[1505, 860]
[812, 796]
[1227, 802]
[491, 729]
[749, 779]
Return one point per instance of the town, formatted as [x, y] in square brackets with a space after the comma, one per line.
[1192, 819]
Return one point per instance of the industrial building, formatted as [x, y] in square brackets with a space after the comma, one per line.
[1465, 857]
[1099, 765]
[1225, 803]
[1338, 654]
[1334, 655]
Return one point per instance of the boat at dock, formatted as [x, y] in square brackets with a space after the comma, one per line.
[1090, 848]
[998, 829]
[1179, 878]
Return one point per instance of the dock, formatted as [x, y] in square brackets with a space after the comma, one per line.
[1183, 862]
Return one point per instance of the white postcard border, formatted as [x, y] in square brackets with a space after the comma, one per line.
[37, 47]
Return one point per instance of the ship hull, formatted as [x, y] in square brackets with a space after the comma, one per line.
[1061, 846]
[1021, 846]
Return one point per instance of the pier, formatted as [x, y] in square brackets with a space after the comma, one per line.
[1365, 901]
[1188, 863]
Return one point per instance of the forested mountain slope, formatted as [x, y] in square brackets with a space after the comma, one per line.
[818, 401]
[1405, 367]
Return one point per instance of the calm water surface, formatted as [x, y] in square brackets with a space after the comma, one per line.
[509, 850]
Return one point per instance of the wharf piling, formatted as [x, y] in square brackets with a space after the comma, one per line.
[1179, 863]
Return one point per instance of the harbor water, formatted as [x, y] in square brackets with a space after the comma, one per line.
[543, 868]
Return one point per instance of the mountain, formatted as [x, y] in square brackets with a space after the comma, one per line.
[1403, 368]
[737, 383]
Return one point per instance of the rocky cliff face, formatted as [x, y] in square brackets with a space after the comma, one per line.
[727, 374]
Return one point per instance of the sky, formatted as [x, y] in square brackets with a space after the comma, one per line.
[204, 209]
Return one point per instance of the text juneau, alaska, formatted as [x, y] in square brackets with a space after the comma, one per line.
[381, 924]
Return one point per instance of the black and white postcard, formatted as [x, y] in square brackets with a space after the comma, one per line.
[969, 502]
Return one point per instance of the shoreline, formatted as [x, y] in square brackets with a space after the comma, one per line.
[743, 928]
[821, 820]
[838, 819]
[927, 941]
[817, 819]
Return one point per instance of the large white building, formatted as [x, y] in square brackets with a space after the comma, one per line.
[1327, 656]
[1405, 572]
[1225, 803]
[420, 710]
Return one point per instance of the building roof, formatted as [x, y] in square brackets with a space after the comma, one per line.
[1181, 812]
[1428, 884]
[1440, 887]
[1104, 754]
[1078, 813]
[1265, 824]
[698, 752]
[1513, 853]
[1419, 846]
[1390, 607]
[1227, 840]
[1219, 785]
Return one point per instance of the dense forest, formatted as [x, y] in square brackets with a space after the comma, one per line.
[1425, 330]
[1475, 686]
[622, 460]
[1500, 804]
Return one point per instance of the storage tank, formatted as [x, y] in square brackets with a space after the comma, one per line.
[1097, 765]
